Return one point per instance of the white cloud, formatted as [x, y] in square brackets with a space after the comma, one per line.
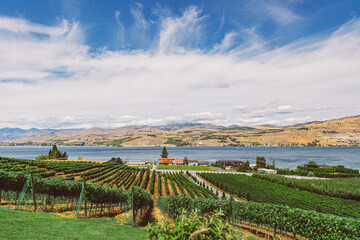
[281, 15]
[138, 16]
[178, 34]
[120, 30]
[54, 80]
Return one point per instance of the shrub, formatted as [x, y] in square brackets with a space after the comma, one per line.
[191, 226]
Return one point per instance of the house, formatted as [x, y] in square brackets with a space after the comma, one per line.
[230, 163]
[264, 170]
[204, 163]
[166, 161]
[193, 162]
[179, 162]
[324, 166]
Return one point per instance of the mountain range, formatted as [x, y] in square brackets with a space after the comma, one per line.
[338, 132]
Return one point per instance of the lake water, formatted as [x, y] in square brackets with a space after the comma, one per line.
[285, 157]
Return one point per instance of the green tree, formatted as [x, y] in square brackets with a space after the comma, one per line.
[54, 153]
[247, 165]
[164, 153]
[260, 162]
[116, 160]
[312, 164]
[186, 161]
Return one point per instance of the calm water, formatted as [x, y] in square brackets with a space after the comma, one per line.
[284, 156]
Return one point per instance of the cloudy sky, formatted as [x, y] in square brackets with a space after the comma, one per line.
[80, 64]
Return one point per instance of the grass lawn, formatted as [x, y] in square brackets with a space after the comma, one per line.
[184, 167]
[26, 225]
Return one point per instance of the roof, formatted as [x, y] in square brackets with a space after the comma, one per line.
[232, 161]
[204, 162]
[179, 162]
[193, 161]
[166, 160]
[324, 166]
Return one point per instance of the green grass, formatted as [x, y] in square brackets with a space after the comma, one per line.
[184, 168]
[26, 225]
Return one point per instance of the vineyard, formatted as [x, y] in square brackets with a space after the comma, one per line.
[263, 191]
[348, 188]
[90, 189]
[308, 224]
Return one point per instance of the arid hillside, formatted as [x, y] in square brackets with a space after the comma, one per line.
[339, 132]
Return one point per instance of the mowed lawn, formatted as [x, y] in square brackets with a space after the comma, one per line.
[26, 225]
[184, 168]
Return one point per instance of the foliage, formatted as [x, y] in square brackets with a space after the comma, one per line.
[56, 154]
[309, 224]
[217, 165]
[164, 153]
[269, 192]
[191, 226]
[332, 172]
[244, 168]
[41, 157]
[186, 161]
[142, 198]
[260, 162]
[312, 164]
[116, 160]
[348, 188]
[80, 158]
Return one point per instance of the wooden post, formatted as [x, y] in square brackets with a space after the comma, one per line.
[84, 185]
[33, 188]
[133, 209]
[230, 209]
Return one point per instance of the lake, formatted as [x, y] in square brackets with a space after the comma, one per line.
[285, 157]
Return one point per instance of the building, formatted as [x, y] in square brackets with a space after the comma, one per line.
[230, 163]
[193, 162]
[204, 163]
[166, 161]
[179, 162]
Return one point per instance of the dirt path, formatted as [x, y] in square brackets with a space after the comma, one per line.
[163, 189]
[149, 182]
[171, 190]
[156, 192]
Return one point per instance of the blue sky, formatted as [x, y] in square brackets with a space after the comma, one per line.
[72, 64]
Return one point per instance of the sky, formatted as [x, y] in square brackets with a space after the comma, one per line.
[107, 64]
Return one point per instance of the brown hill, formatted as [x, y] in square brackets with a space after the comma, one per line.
[339, 132]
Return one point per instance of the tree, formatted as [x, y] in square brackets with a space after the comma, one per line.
[312, 164]
[247, 165]
[164, 153]
[54, 153]
[186, 161]
[260, 162]
[80, 158]
[116, 160]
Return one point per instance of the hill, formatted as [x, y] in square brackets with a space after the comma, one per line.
[338, 132]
